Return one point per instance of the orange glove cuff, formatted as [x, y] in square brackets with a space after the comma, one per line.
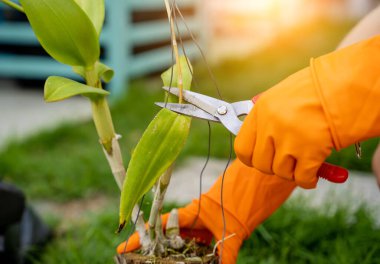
[348, 84]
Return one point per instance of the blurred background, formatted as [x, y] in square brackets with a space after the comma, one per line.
[51, 151]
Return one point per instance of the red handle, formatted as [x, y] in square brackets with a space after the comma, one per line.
[332, 173]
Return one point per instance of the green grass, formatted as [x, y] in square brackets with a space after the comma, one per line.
[297, 234]
[294, 234]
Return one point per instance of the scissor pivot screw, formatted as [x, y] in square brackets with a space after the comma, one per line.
[222, 110]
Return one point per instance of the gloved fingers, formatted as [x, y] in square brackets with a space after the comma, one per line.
[188, 216]
[263, 155]
[133, 244]
[305, 174]
[246, 139]
[283, 166]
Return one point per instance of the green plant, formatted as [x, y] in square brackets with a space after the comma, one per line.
[69, 32]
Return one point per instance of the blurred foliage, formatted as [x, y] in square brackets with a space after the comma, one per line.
[239, 79]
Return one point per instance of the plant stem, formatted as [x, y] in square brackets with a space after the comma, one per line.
[158, 201]
[13, 5]
[175, 49]
[103, 122]
[109, 141]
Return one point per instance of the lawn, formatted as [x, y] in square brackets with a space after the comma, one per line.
[294, 234]
[67, 164]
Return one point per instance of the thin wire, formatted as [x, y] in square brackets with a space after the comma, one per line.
[134, 224]
[182, 45]
[220, 96]
[215, 83]
[222, 202]
[201, 177]
[209, 126]
[171, 81]
[171, 68]
[194, 80]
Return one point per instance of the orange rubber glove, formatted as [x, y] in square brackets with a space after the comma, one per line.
[249, 198]
[334, 102]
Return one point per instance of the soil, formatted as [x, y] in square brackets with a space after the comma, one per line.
[192, 253]
[133, 258]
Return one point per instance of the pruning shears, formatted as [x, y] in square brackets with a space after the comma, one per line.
[208, 108]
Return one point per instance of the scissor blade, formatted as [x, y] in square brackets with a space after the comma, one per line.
[189, 110]
[204, 102]
[222, 111]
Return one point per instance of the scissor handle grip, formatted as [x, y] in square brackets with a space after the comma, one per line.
[332, 173]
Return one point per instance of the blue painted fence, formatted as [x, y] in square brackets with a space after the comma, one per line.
[119, 39]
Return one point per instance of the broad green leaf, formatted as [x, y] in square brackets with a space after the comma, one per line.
[64, 31]
[170, 76]
[59, 88]
[157, 149]
[95, 10]
[104, 71]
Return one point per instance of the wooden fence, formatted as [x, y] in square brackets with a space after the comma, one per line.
[135, 41]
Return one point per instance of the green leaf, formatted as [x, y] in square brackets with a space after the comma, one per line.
[104, 72]
[95, 10]
[157, 149]
[170, 76]
[60, 88]
[64, 31]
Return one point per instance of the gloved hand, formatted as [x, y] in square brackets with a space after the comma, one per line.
[249, 198]
[334, 102]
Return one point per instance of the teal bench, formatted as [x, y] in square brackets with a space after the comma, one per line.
[120, 39]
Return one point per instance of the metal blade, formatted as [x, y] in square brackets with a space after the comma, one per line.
[204, 102]
[220, 110]
[189, 110]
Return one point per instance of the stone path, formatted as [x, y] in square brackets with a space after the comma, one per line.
[24, 112]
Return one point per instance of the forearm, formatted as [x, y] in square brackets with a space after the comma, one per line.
[368, 27]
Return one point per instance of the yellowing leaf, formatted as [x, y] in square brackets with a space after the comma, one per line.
[59, 88]
[170, 76]
[64, 31]
[186, 70]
